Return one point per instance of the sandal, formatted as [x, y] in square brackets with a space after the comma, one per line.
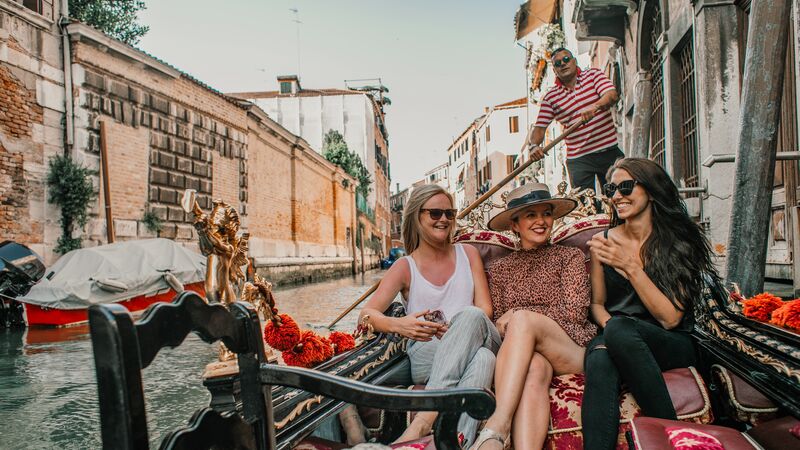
[488, 434]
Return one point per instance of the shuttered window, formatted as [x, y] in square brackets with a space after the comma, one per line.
[689, 154]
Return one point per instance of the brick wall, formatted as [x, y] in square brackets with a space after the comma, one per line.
[192, 138]
[128, 167]
[269, 187]
[164, 133]
[169, 134]
[18, 107]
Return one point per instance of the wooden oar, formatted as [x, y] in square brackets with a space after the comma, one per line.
[474, 205]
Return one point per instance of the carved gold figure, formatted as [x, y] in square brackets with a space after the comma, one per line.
[225, 250]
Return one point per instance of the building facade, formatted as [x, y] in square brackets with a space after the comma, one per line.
[679, 65]
[358, 115]
[500, 139]
[397, 203]
[164, 132]
[461, 166]
[32, 112]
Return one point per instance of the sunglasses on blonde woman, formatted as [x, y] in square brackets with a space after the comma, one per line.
[437, 213]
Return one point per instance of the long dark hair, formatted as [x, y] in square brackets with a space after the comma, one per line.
[677, 254]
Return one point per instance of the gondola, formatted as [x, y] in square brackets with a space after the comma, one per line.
[747, 388]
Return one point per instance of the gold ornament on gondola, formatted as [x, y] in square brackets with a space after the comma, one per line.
[225, 251]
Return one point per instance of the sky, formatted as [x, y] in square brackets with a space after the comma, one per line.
[442, 60]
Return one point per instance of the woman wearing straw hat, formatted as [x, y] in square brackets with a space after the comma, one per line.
[540, 297]
[438, 275]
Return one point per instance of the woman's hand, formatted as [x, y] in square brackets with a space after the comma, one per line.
[502, 322]
[412, 327]
[610, 252]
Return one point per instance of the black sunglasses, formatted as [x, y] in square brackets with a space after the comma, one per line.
[624, 188]
[437, 213]
[562, 61]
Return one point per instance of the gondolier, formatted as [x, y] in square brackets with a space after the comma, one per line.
[579, 95]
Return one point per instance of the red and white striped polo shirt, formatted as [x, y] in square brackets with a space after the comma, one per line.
[565, 106]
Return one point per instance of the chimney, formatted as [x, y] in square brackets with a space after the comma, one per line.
[486, 110]
[398, 188]
[289, 84]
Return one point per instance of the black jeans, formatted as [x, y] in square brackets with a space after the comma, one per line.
[635, 352]
[582, 170]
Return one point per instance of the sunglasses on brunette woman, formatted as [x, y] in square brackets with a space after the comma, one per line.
[624, 188]
[437, 213]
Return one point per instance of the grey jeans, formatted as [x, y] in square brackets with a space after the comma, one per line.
[464, 357]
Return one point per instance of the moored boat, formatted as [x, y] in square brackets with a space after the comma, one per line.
[134, 274]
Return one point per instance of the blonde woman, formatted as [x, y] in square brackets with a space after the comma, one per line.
[438, 275]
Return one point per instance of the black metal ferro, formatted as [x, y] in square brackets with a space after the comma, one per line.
[450, 403]
[122, 349]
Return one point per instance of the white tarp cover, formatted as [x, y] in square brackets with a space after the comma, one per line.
[139, 265]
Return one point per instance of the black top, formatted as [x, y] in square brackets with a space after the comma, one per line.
[622, 300]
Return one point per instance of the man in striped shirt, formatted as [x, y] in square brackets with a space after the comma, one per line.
[579, 96]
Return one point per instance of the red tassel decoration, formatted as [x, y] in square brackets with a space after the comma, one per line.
[788, 315]
[282, 333]
[761, 306]
[310, 351]
[342, 342]
[325, 349]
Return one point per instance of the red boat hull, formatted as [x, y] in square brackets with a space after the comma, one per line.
[51, 317]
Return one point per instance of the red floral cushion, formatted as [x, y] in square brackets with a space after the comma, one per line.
[566, 396]
[682, 438]
[487, 237]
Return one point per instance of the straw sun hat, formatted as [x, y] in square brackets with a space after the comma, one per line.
[527, 195]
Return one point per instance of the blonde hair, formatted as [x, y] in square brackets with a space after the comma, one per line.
[411, 224]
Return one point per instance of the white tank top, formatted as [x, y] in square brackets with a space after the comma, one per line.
[452, 297]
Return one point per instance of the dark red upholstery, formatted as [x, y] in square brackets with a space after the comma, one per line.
[743, 402]
[650, 434]
[775, 435]
[686, 388]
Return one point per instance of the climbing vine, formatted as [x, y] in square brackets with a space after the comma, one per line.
[70, 187]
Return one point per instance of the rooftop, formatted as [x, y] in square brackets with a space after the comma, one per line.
[513, 103]
[302, 93]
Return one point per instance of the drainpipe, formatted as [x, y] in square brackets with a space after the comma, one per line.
[63, 21]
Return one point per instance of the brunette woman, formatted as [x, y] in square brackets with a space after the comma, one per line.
[540, 297]
[646, 270]
[438, 276]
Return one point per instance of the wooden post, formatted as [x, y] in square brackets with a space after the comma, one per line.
[110, 235]
[755, 159]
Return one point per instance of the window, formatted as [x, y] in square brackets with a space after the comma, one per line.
[657, 134]
[511, 161]
[513, 124]
[689, 154]
[43, 7]
[488, 133]
[286, 87]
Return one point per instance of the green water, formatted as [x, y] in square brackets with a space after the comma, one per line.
[48, 396]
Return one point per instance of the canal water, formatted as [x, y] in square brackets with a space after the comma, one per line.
[48, 395]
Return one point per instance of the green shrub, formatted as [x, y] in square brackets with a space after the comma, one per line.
[151, 221]
[70, 187]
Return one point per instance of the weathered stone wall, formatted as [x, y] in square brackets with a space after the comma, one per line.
[31, 129]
